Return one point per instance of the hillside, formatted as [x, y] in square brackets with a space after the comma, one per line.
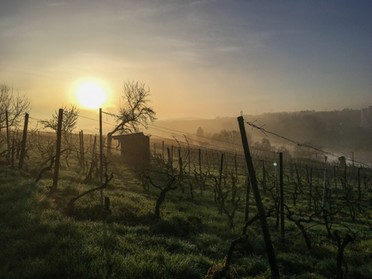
[336, 131]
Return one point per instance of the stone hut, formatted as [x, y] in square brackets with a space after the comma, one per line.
[135, 149]
[342, 162]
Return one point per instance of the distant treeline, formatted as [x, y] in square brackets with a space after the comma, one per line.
[337, 131]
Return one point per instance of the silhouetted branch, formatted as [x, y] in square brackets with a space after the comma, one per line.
[104, 185]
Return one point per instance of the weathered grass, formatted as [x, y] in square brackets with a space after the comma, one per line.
[42, 237]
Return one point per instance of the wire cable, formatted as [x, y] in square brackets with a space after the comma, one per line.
[265, 131]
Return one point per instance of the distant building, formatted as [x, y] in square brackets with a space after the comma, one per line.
[342, 161]
[135, 149]
[366, 117]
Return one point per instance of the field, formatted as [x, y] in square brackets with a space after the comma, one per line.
[184, 218]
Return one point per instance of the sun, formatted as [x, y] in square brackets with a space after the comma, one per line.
[90, 95]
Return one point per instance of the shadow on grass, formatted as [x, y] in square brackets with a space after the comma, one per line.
[39, 241]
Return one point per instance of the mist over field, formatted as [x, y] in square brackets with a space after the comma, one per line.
[340, 132]
[166, 139]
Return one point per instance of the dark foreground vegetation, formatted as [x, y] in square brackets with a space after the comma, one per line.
[168, 223]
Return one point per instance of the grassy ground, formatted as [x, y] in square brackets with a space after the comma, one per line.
[42, 238]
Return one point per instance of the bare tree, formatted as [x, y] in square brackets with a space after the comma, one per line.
[134, 111]
[69, 121]
[15, 104]
[70, 118]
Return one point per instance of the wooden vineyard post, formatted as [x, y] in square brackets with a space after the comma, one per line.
[281, 192]
[344, 178]
[335, 176]
[247, 194]
[310, 182]
[24, 141]
[189, 159]
[170, 160]
[200, 161]
[206, 159]
[180, 163]
[236, 165]
[162, 151]
[82, 155]
[260, 208]
[263, 177]
[13, 151]
[17, 154]
[101, 157]
[109, 140]
[58, 151]
[180, 166]
[324, 182]
[359, 188]
[220, 171]
[188, 155]
[7, 134]
[93, 163]
[90, 140]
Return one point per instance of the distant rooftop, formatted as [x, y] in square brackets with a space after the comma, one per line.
[366, 117]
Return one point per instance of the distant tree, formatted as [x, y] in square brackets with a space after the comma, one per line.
[134, 112]
[15, 104]
[265, 144]
[200, 132]
[231, 136]
[70, 118]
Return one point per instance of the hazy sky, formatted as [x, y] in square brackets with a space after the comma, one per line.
[203, 58]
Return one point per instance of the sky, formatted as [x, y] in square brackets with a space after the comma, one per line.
[200, 58]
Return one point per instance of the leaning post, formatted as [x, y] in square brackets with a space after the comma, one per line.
[260, 208]
[24, 141]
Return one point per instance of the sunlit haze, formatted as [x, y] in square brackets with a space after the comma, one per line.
[90, 95]
[200, 59]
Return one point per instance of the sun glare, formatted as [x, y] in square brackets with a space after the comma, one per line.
[90, 95]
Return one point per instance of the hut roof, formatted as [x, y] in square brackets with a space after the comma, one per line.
[124, 136]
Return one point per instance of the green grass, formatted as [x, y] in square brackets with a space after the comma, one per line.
[42, 238]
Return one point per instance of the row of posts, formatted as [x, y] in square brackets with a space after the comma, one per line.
[10, 146]
[81, 135]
